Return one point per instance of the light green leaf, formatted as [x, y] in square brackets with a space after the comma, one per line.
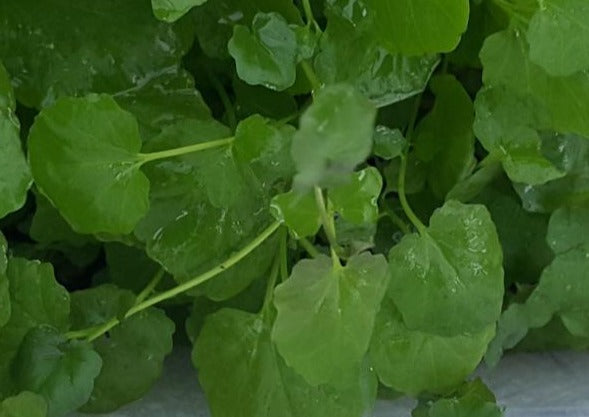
[413, 362]
[444, 138]
[24, 404]
[334, 136]
[357, 201]
[15, 177]
[325, 316]
[36, 298]
[268, 54]
[472, 400]
[94, 145]
[558, 35]
[172, 10]
[61, 371]
[263, 385]
[214, 21]
[132, 353]
[417, 27]
[298, 211]
[349, 55]
[456, 265]
[388, 143]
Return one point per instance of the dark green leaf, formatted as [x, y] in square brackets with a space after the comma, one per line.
[61, 371]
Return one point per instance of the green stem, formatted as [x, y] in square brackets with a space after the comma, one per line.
[272, 282]
[150, 286]
[404, 203]
[309, 15]
[196, 281]
[95, 332]
[283, 257]
[399, 222]
[311, 75]
[308, 246]
[326, 219]
[170, 153]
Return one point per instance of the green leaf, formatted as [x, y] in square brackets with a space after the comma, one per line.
[54, 50]
[558, 35]
[334, 136]
[298, 211]
[61, 371]
[357, 201]
[456, 265]
[172, 10]
[325, 316]
[4, 292]
[184, 230]
[215, 20]
[15, 178]
[571, 154]
[349, 55]
[24, 404]
[472, 400]
[388, 143]
[417, 27]
[444, 138]
[133, 351]
[268, 54]
[263, 385]
[412, 361]
[96, 143]
[36, 298]
[129, 267]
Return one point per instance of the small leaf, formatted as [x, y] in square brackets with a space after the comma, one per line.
[334, 136]
[94, 144]
[456, 265]
[472, 400]
[268, 54]
[388, 143]
[357, 201]
[326, 314]
[61, 371]
[172, 10]
[298, 211]
[25, 404]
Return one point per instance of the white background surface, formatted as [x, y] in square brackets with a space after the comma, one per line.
[527, 385]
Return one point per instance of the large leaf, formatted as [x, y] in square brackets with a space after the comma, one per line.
[84, 155]
[558, 35]
[55, 48]
[132, 353]
[412, 361]
[243, 375]
[456, 265]
[268, 54]
[325, 316]
[15, 178]
[334, 136]
[61, 371]
[36, 298]
[347, 54]
[444, 138]
[416, 27]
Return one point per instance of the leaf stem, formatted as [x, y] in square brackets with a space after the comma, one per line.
[309, 15]
[283, 257]
[326, 219]
[308, 246]
[225, 100]
[170, 153]
[272, 282]
[150, 286]
[196, 281]
[398, 221]
[311, 75]
[403, 198]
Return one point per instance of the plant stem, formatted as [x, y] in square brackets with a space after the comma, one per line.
[311, 75]
[227, 104]
[197, 147]
[150, 286]
[326, 220]
[404, 203]
[398, 221]
[194, 282]
[308, 246]
[272, 282]
[283, 257]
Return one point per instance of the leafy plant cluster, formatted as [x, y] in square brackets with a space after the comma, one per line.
[331, 200]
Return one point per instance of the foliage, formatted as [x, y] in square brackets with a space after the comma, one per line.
[329, 195]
